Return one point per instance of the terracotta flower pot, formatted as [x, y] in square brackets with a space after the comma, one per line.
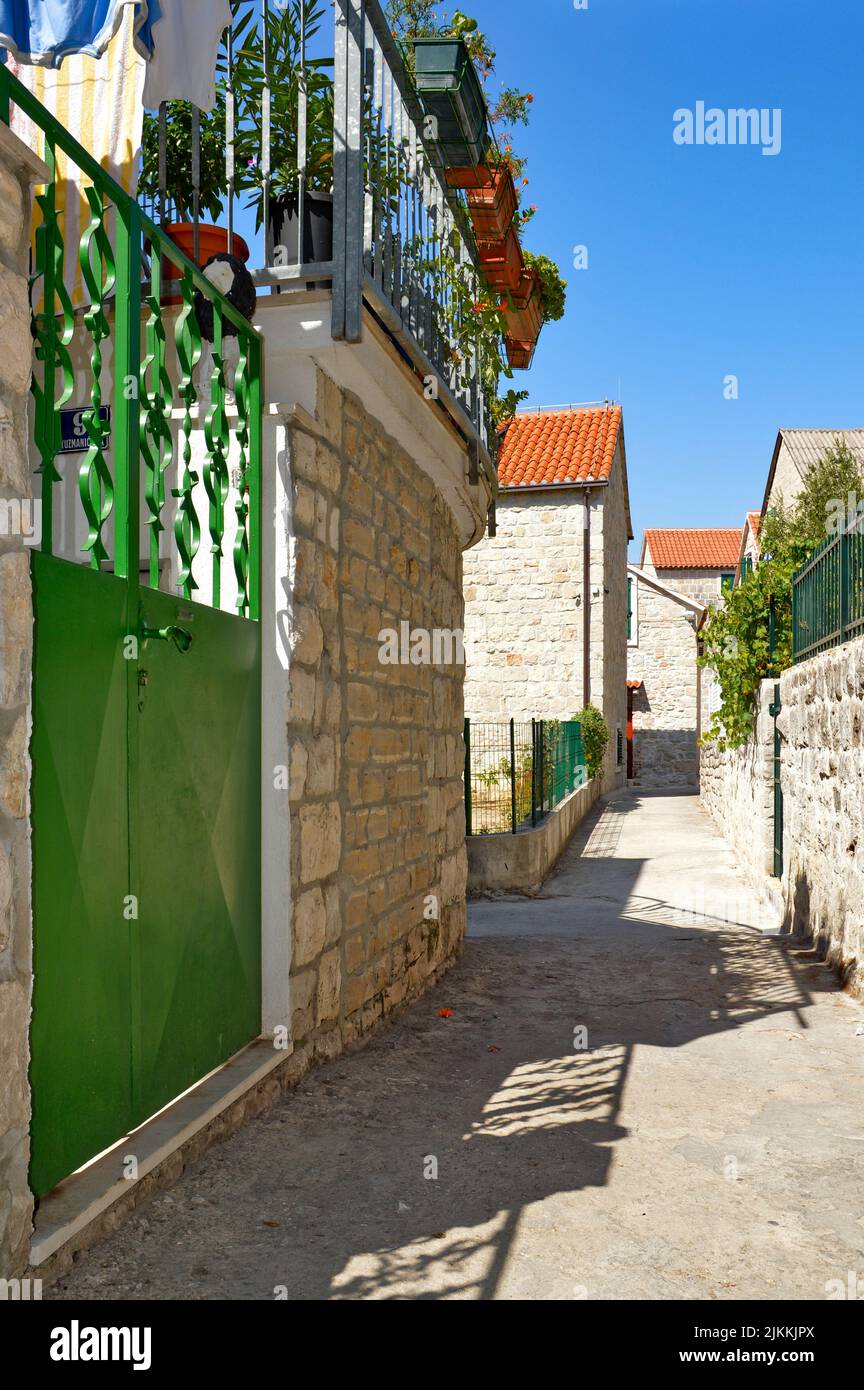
[525, 315]
[470, 176]
[211, 242]
[502, 261]
[493, 208]
[519, 355]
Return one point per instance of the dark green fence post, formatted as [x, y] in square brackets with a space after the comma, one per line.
[467, 776]
[844, 584]
[513, 774]
[533, 772]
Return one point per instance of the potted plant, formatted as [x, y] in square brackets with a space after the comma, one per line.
[492, 206]
[501, 261]
[471, 176]
[519, 355]
[553, 290]
[179, 192]
[452, 98]
[286, 24]
[538, 299]
[525, 313]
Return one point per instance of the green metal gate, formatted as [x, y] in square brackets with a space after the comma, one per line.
[147, 685]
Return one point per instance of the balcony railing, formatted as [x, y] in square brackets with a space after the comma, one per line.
[402, 242]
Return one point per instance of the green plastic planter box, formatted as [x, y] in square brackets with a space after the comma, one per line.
[451, 93]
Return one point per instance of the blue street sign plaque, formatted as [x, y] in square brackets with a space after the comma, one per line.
[74, 438]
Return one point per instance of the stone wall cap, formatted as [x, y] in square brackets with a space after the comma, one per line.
[16, 155]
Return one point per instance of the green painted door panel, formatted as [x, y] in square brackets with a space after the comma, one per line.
[196, 847]
[81, 1031]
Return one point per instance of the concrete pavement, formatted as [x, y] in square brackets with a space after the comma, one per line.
[638, 1094]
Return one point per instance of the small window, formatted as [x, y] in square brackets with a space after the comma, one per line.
[727, 582]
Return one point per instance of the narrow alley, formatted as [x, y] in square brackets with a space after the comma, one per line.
[628, 1087]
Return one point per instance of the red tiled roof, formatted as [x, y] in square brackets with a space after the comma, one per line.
[704, 549]
[755, 521]
[559, 446]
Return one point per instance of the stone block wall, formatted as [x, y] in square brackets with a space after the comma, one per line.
[665, 710]
[737, 791]
[524, 610]
[378, 861]
[822, 774]
[705, 586]
[17, 167]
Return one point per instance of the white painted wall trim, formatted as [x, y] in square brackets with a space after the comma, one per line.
[277, 588]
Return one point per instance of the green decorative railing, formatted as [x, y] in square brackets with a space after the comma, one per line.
[515, 773]
[197, 444]
[828, 595]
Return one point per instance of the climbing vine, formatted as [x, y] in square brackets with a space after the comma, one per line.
[737, 643]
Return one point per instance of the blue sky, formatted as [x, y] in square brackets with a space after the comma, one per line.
[704, 261]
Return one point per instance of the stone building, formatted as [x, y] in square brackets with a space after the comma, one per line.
[699, 562]
[797, 450]
[371, 488]
[19, 168]
[682, 573]
[664, 719]
[546, 599]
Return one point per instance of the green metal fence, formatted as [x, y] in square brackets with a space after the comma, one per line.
[516, 773]
[138, 339]
[828, 594]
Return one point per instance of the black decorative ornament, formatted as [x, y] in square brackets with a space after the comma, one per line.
[230, 276]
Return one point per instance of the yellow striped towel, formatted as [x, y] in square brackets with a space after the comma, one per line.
[99, 101]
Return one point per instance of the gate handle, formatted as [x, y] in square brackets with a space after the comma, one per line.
[180, 636]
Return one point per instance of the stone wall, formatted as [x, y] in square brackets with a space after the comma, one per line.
[822, 727]
[705, 586]
[524, 613]
[521, 863]
[665, 710]
[378, 861]
[737, 791]
[17, 169]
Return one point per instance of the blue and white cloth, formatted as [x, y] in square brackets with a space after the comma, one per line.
[184, 38]
[178, 39]
[44, 32]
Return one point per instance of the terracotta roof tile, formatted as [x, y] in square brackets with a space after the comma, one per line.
[703, 549]
[559, 446]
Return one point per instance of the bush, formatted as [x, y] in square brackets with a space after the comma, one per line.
[595, 738]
